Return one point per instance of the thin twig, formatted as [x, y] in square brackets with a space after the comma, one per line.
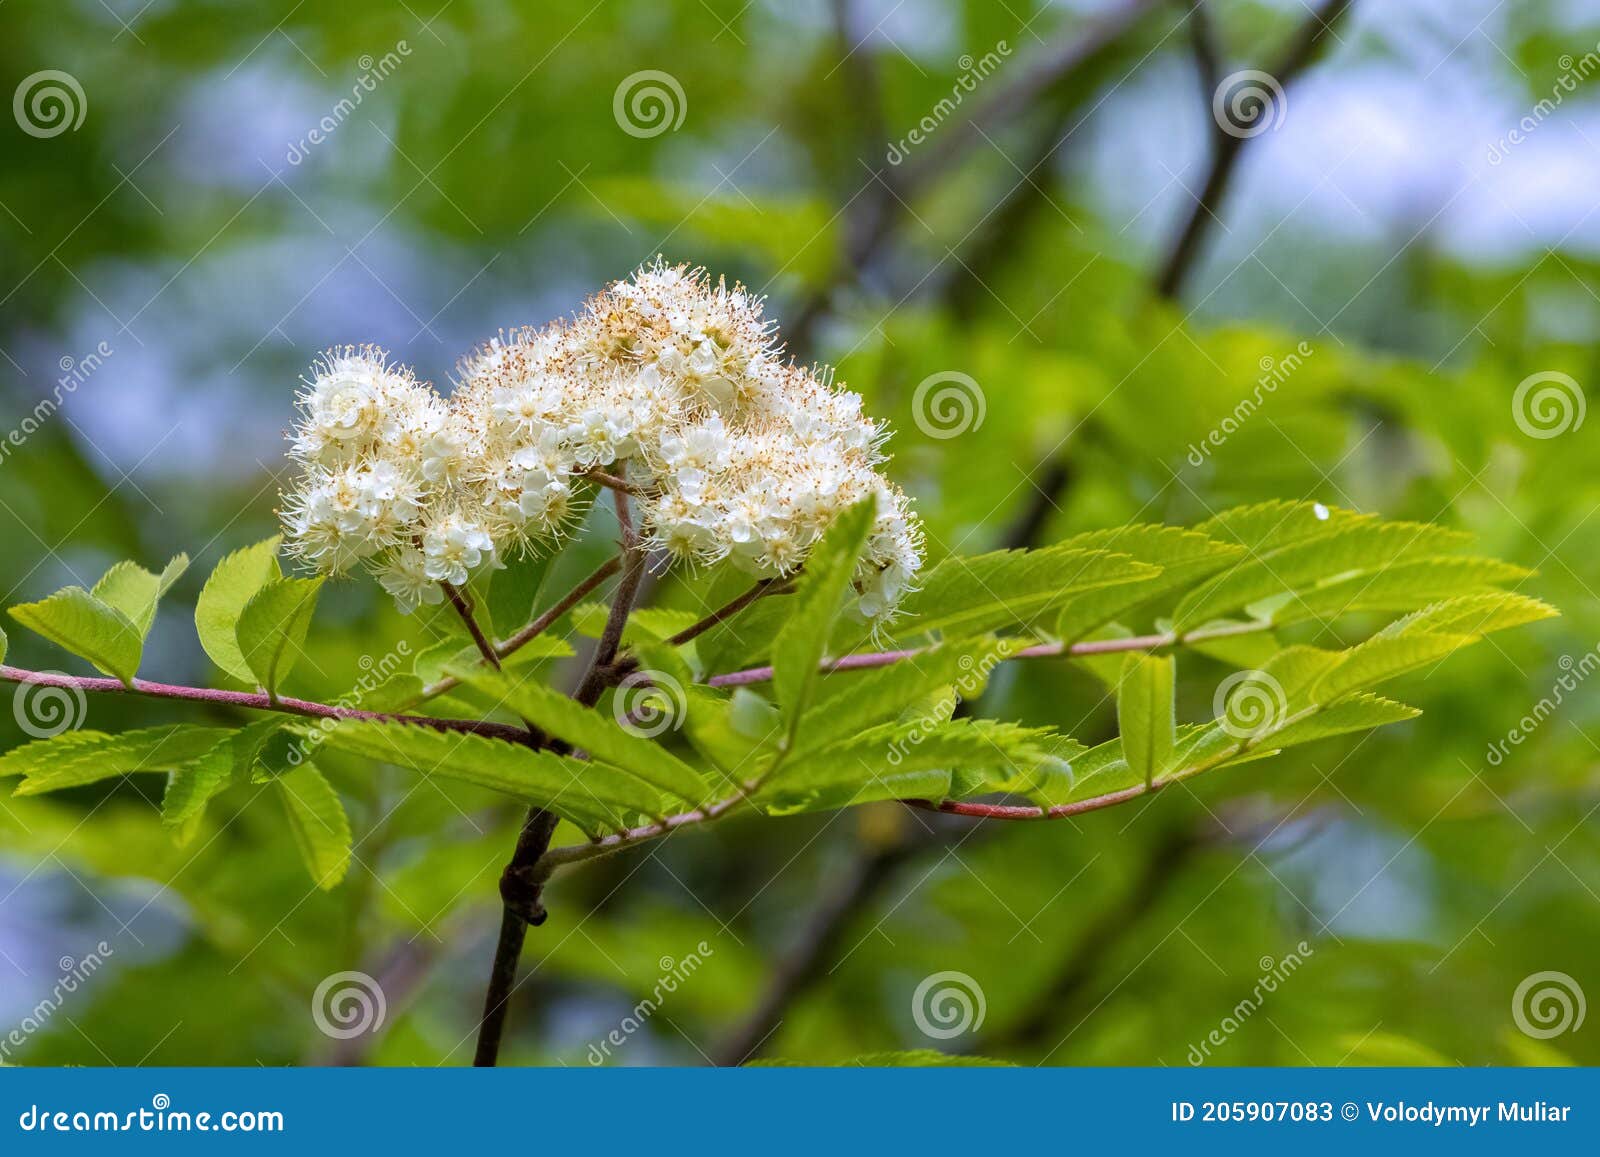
[253, 701]
[479, 639]
[725, 612]
[538, 626]
[521, 885]
[868, 660]
[1227, 147]
[815, 946]
[1032, 82]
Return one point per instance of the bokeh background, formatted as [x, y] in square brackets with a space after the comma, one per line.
[1412, 197]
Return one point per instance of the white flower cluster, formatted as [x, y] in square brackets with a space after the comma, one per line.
[668, 383]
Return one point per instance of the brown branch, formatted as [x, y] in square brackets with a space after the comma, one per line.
[254, 701]
[521, 885]
[1033, 83]
[869, 660]
[1226, 147]
[479, 639]
[817, 944]
[539, 625]
[725, 612]
[1099, 940]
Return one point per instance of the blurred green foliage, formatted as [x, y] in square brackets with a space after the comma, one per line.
[486, 183]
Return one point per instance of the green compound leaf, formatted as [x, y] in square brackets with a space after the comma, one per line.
[234, 582]
[318, 822]
[74, 619]
[272, 628]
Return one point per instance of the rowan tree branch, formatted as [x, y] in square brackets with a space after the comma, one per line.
[1031, 83]
[1227, 147]
[521, 885]
[254, 701]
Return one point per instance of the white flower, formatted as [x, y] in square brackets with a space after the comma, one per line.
[404, 575]
[453, 547]
[669, 380]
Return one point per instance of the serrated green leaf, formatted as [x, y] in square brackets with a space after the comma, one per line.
[232, 584]
[1381, 659]
[318, 822]
[74, 619]
[728, 731]
[397, 692]
[1012, 589]
[797, 651]
[82, 757]
[594, 796]
[1145, 713]
[1364, 544]
[598, 734]
[1269, 526]
[129, 588]
[1404, 586]
[1476, 615]
[3, 644]
[1184, 557]
[898, 749]
[1361, 712]
[272, 628]
[849, 701]
[191, 787]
